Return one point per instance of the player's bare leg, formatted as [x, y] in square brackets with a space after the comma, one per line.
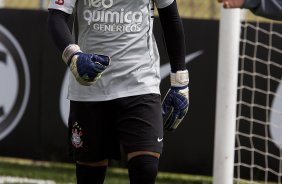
[137, 153]
[143, 167]
[94, 164]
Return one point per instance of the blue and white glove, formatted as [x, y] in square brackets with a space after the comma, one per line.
[176, 102]
[86, 68]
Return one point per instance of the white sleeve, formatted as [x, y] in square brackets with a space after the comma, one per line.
[163, 3]
[66, 6]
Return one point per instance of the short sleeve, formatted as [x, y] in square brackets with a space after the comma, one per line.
[66, 6]
[163, 3]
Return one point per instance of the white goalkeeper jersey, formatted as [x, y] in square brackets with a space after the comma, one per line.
[123, 30]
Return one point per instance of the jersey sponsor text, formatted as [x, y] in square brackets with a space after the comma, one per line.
[112, 21]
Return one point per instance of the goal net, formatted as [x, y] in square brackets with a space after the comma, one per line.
[258, 139]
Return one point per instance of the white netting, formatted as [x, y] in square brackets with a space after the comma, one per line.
[258, 152]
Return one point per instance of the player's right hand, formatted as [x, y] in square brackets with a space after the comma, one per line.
[86, 68]
[232, 3]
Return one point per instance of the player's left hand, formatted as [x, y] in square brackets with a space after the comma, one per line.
[176, 102]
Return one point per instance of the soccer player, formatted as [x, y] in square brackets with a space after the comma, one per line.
[267, 8]
[114, 82]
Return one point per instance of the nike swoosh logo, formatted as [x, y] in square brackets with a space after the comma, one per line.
[165, 69]
[160, 139]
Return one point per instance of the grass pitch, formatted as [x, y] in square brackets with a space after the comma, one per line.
[64, 173]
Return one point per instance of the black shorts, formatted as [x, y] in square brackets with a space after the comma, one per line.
[98, 129]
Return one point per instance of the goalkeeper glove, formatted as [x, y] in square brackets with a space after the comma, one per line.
[86, 68]
[176, 102]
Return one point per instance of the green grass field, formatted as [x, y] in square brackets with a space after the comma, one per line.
[64, 173]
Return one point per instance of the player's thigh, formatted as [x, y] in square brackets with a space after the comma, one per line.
[140, 124]
[92, 138]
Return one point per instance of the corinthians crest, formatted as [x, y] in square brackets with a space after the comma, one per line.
[76, 137]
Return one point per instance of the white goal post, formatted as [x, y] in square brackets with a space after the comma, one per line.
[229, 37]
[248, 130]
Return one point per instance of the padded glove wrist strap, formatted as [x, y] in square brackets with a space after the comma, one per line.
[69, 51]
[180, 78]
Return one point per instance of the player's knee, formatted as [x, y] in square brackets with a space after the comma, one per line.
[91, 173]
[94, 164]
[143, 169]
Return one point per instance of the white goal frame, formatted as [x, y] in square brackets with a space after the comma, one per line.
[226, 99]
[248, 126]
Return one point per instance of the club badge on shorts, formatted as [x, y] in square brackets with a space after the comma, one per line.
[76, 137]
